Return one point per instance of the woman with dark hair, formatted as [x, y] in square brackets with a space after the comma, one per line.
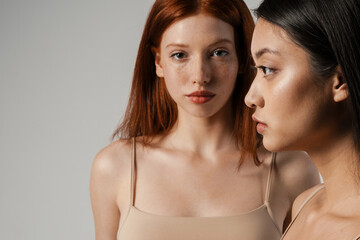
[187, 164]
[306, 96]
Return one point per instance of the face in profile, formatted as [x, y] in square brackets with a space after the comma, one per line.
[294, 109]
[198, 62]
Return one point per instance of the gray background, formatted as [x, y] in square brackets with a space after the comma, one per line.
[65, 74]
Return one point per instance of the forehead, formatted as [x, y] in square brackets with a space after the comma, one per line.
[200, 26]
[272, 39]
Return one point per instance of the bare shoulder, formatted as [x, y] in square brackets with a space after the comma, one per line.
[111, 160]
[302, 198]
[109, 187]
[297, 171]
[110, 173]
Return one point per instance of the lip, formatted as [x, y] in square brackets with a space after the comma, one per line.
[260, 126]
[200, 97]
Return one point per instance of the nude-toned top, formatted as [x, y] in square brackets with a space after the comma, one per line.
[322, 186]
[257, 224]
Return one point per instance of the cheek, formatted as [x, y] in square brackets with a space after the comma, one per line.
[225, 75]
[294, 109]
[172, 86]
[230, 71]
[227, 67]
[176, 82]
[174, 76]
[293, 94]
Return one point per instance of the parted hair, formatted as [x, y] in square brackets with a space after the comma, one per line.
[151, 110]
[329, 31]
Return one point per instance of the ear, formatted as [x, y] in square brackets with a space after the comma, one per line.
[158, 67]
[340, 88]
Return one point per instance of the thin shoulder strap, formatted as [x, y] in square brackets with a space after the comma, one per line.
[268, 190]
[302, 206]
[269, 180]
[133, 174]
[308, 199]
[132, 182]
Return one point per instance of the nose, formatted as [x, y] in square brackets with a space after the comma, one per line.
[254, 97]
[201, 73]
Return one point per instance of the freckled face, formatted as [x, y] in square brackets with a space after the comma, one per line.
[291, 107]
[197, 59]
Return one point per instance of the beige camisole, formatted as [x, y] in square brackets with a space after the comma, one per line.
[257, 224]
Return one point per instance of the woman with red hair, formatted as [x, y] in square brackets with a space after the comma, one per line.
[188, 163]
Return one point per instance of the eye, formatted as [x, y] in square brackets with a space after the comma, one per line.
[267, 71]
[178, 55]
[220, 53]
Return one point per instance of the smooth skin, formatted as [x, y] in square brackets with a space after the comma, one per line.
[301, 112]
[192, 170]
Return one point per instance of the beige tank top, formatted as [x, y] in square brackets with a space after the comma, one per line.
[322, 186]
[257, 224]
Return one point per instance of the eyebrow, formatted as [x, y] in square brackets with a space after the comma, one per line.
[222, 40]
[261, 52]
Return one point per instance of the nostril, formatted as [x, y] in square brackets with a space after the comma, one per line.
[250, 105]
[201, 82]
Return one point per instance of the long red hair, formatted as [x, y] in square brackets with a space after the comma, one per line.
[151, 110]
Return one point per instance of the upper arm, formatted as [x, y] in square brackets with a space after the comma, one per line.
[105, 184]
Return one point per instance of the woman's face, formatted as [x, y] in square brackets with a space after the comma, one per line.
[294, 110]
[197, 59]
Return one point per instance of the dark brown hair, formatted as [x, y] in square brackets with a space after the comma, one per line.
[151, 110]
[329, 31]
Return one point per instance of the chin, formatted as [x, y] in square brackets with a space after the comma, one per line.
[273, 145]
[270, 147]
[201, 112]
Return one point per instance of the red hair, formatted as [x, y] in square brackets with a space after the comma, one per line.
[151, 110]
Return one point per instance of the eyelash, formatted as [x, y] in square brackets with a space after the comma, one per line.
[264, 69]
[181, 55]
[176, 55]
[224, 53]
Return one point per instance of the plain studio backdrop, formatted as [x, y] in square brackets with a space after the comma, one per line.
[65, 73]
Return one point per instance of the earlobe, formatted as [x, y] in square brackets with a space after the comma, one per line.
[340, 87]
[158, 67]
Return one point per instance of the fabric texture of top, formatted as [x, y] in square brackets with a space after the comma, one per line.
[257, 224]
[322, 186]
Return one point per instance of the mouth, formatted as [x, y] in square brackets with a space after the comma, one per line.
[260, 126]
[200, 97]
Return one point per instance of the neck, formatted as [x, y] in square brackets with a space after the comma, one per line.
[204, 136]
[339, 165]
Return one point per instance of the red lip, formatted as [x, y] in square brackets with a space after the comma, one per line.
[200, 97]
[260, 126]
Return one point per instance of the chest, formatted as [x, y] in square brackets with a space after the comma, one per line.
[177, 187]
[198, 190]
